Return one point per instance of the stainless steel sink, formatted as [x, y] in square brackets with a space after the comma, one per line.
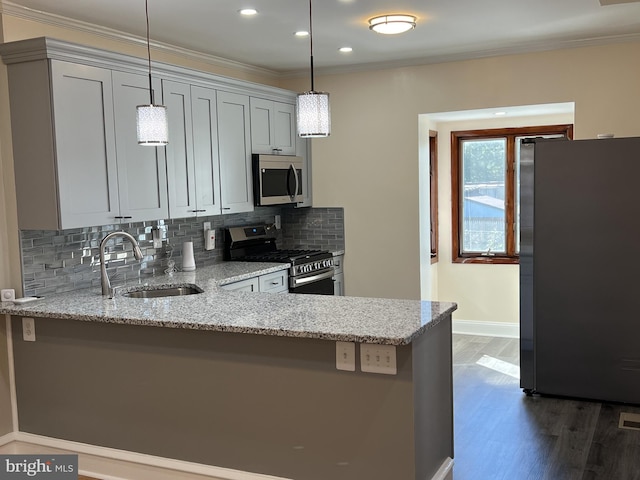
[164, 292]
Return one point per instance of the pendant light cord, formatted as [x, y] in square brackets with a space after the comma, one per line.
[311, 43]
[146, 9]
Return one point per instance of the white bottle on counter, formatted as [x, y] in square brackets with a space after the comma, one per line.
[188, 262]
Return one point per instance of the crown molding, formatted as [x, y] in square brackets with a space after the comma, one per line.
[14, 10]
[533, 47]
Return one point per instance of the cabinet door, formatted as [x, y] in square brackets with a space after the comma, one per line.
[248, 285]
[262, 140]
[205, 150]
[180, 161]
[275, 282]
[85, 145]
[234, 147]
[142, 172]
[338, 284]
[272, 127]
[284, 116]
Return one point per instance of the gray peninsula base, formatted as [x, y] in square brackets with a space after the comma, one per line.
[264, 404]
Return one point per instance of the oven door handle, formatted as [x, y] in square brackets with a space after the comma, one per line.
[296, 282]
[293, 194]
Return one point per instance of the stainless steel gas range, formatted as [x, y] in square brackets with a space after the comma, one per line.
[311, 270]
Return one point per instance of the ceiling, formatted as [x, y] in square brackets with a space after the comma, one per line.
[447, 29]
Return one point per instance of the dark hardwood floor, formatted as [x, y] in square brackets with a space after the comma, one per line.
[501, 434]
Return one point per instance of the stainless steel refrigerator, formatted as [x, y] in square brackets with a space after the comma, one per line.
[580, 268]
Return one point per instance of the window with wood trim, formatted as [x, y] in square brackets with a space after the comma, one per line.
[433, 183]
[485, 189]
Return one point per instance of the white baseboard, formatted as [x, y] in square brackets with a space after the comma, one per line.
[7, 439]
[112, 464]
[487, 329]
[445, 472]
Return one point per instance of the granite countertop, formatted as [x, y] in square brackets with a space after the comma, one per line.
[351, 319]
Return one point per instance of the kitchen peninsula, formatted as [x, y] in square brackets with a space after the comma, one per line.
[246, 381]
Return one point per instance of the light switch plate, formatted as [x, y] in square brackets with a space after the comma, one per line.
[346, 356]
[209, 239]
[376, 358]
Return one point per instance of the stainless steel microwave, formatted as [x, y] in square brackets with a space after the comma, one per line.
[277, 179]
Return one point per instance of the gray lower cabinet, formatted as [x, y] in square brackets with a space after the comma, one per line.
[338, 276]
[248, 285]
[273, 127]
[275, 282]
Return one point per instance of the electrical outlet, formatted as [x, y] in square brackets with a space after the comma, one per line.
[346, 356]
[206, 226]
[376, 358]
[28, 329]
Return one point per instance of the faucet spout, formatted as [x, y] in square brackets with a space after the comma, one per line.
[104, 278]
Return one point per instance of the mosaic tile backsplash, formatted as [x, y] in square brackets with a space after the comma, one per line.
[65, 260]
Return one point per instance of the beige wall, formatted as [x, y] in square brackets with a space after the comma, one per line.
[370, 163]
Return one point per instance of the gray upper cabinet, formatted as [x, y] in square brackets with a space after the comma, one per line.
[89, 167]
[76, 157]
[234, 141]
[66, 176]
[205, 150]
[142, 173]
[180, 165]
[273, 127]
[192, 152]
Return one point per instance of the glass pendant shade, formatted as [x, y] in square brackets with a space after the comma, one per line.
[152, 125]
[313, 114]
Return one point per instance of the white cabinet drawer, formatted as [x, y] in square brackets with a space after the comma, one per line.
[275, 282]
[248, 285]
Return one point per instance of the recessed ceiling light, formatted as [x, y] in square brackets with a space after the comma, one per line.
[248, 11]
[345, 49]
[301, 33]
[392, 24]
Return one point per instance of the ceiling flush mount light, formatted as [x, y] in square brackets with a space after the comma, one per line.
[313, 112]
[248, 11]
[345, 49]
[151, 119]
[392, 24]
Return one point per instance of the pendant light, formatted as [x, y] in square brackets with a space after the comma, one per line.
[313, 111]
[151, 119]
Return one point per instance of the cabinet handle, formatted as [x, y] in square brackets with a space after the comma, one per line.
[226, 208]
[122, 217]
[276, 149]
[197, 211]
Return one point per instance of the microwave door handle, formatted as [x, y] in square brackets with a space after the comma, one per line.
[295, 175]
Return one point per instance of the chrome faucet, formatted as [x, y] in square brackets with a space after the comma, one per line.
[106, 284]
